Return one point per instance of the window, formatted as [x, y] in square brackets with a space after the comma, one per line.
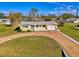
[25, 26]
[44, 25]
[4, 20]
[32, 25]
[36, 25]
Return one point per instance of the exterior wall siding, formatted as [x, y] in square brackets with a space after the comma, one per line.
[25, 28]
[40, 29]
[51, 27]
[48, 27]
[5, 21]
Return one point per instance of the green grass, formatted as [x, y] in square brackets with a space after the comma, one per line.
[6, 30]
[31, 46]
[70, 31]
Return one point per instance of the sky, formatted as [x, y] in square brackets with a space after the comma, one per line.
[56, 8]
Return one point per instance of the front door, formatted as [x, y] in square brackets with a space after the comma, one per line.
[32, 27]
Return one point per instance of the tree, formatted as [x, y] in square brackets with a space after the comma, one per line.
[33, 14]
[52, 16]
[15, 18]
[1, 15]
[66, 15]
[47, 18]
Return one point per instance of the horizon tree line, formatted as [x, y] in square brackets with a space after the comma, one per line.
[17, 17]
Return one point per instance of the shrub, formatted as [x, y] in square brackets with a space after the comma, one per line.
[77, 25]
[18, 29]
[28, 30]
[61, 24]
[8, 25]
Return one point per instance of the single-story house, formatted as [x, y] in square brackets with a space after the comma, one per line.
[69, 20]
[63, 20]
[76, 21]
[38, 26]
[5, 21]
[76, 27]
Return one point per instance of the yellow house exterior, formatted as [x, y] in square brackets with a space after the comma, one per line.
[38, 26]
[23, 28]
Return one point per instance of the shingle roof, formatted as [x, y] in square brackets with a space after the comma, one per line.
[38, 23]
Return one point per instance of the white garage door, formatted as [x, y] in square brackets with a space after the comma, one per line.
[51, 27]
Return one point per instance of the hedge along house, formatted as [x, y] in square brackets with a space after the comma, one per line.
[38, 26]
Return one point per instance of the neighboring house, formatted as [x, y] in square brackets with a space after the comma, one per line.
[5, 21]
[69, 20]
[34, 19]
[38, 26]
[0, 20]
[76, 21]
[63, 20]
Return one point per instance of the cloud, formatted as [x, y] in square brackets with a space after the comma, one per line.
[56, 12]
[70, 7]
[70, 11]
[63, 11]
[55, 8]
[52, 12]
[61, 8]
[63, 5]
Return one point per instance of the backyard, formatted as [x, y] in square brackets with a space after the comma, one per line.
[70, 31]
[31, 46]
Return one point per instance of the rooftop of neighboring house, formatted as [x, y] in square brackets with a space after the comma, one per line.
[2, 20]
[34, 19]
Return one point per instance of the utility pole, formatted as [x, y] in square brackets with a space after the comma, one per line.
[77, 12]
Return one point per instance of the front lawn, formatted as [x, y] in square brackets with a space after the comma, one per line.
[6, 30]
[70, 31]
[31, 46]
